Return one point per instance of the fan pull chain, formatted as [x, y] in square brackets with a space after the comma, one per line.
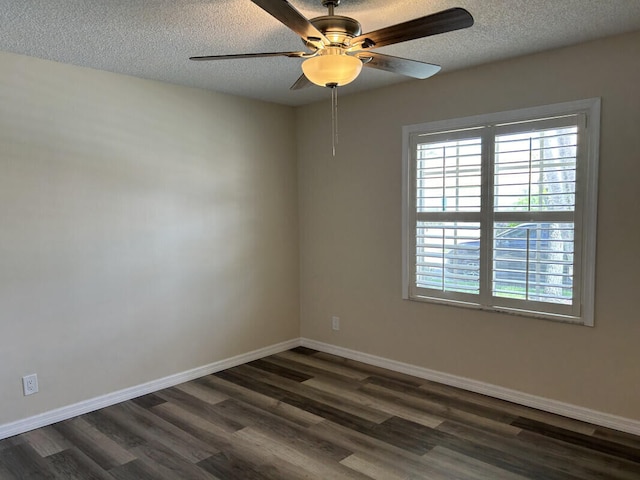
[334, 116]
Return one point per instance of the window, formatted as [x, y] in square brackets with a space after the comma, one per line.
[499, 211]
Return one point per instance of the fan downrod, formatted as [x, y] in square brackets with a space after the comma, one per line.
[330, 4]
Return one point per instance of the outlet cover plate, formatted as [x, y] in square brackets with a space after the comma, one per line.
[30, 384]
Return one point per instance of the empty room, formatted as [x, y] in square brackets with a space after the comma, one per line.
[320, 239]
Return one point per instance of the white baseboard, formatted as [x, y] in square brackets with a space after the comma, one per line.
[545, 404]
[553, 406]
[70, 411]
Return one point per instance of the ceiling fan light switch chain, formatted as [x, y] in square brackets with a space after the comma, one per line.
[334, 117]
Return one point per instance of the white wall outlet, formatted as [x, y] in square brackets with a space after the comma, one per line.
[30, 384]
[335, 323]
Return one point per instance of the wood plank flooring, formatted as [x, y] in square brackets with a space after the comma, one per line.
[304, 414]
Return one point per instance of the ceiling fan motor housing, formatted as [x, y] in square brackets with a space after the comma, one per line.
[338, 29]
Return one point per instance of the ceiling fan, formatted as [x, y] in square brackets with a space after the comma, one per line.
[337, 49]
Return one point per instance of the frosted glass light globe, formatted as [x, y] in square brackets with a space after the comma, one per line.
[332, 67]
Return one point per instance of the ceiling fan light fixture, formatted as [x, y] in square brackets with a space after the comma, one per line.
[332, 67]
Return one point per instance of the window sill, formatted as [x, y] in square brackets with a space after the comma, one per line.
[509, 311]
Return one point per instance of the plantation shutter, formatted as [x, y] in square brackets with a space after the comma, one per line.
[534, 214]
[499, 211]
[448, 182]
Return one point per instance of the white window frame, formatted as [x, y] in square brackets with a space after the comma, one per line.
[582, 312]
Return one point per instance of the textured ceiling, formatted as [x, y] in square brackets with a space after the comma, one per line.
[154, 38]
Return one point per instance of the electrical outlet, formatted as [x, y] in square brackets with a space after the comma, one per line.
[30, 384]
[335, 323]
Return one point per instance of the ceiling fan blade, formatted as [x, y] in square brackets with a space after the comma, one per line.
[302, 82]
[248, 55]
[292, 18]
[441, 22]
[403, 66]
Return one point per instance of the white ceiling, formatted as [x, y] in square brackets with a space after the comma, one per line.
[154, 38]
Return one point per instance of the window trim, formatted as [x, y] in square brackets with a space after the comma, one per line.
[588, 214]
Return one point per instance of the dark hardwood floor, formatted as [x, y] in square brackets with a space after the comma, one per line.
[303, 414]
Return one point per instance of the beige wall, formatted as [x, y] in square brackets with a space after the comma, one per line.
[350, 232]
[145, 229]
